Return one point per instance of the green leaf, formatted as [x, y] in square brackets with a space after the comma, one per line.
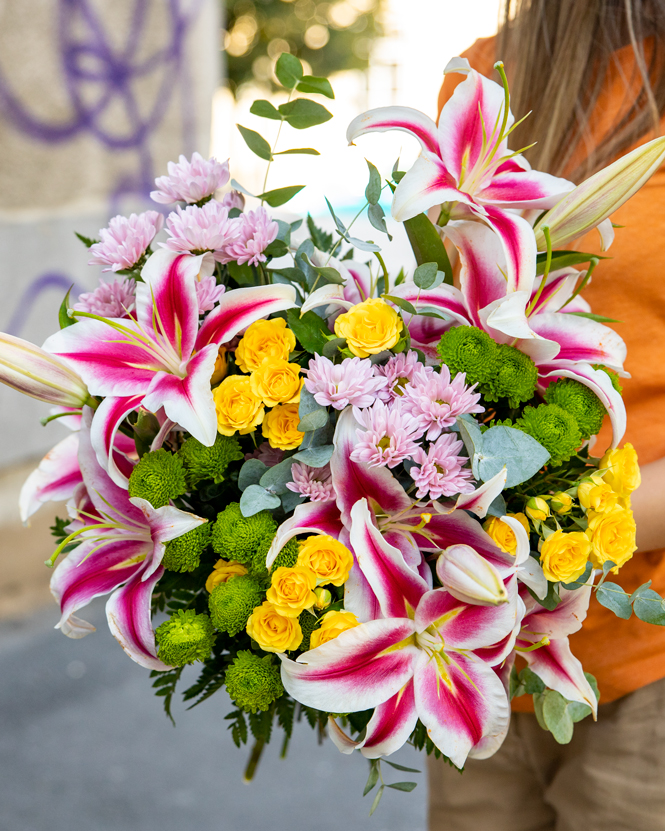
[400, 767]
[312, 415]
[577, 711]
[256, 143]
[427, 244]
[470, 434]
[280, 196]
[377, 799]
[87, 241]
[293, 275]
[315, 456]
[251, 473]
[377, 218]
[333, 346]
[255, 499]
[531, 682]
[310, 329]
[290, 501]
[373, 189]
[264, 109]
[303, 113]
[277, 248]
[64, 319]
[563, 259]
[614, 598]
[556, 717]
[426, 276]
[299, 151]
[403, 786]
[329, 275]
[276, 477]
[522, 455]
[582, 579]
[551, 599]
[401, 303]
[597, 318]
[649, 607]
[372, 779]
[321, 239]
[288, 70]
[313, 84]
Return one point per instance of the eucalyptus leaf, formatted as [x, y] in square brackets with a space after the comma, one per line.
[256, 143]
[581, 580]
[312, 415]
[317, 438]
[531, 682]
[377, 799]
[377, 218]
[362, 245]
[425, 275]
[471, 435]
[315, 456]
[264, 109]
[400, 767]
[373, 189]
[291, 500]
[333, 346]
[288, 70]
[251, 473]
[255, 499]
[280, 196]
[401, 303]
[556, 717]
[578, 711]
[403, 786]
[313, 84]
[298, 151]
[329, 274]
[521, 454]
[649, 607]
[372, 779]
[498, 507]
[302, 113]
[276, 477]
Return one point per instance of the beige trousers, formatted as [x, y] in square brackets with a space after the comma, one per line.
[611, 777]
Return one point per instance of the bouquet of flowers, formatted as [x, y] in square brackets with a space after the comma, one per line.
[346, 494]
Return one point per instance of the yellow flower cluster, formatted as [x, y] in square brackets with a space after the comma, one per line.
[223, 571]
[369, 327]
[240, 400]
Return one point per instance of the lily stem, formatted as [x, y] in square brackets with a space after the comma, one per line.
[254, 759]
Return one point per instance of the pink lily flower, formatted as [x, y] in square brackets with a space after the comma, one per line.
[54, 480]
[121, 550]
[466, 166]
[415, 661]
[161, 358]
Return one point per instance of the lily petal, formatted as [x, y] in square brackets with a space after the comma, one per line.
[560, 670]
[516, 236]
[391, 725]
[580, 339]
[406, 119]
[308, 518]
[54, 480]
[427, 183]
[104, 430]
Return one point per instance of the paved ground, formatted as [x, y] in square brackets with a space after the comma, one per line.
[84, 746]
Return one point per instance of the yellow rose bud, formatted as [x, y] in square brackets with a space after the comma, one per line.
[537, 508]
[280, 427]
[276, 381]
[622, 470]
[612, 537]
[596, 495]
[223, 571]
[273, 632]
[221, 367]
[564, 556]
[502, 534]
[238, 409]
[332, 625]
[292, 590]
[323, 598]
[264, 339]
[369, 327]
[561, 502]
[330, 561]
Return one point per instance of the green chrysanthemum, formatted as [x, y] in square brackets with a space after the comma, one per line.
[308, 623]
[253, 682]
[514, 377]
[203, 462]
[470, 350]
[579, 400]
[236, 537]
[288, 556]
[555, 428]
[614, 378]
[159, 477]
[184, 553]
[184, 638]
[232, 603]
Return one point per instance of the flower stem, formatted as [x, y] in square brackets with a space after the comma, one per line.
[254, 759]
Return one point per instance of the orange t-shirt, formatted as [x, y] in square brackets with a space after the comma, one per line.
[624, 655]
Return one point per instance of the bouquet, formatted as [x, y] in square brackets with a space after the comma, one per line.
[345, 494]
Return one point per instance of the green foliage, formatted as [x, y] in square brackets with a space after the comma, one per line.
[238, 727]
[558, 715]
[185, 638]
[308, 623]
[554, 428]
[647, 604]
[288, 556]
[184, 553]
[280, 196]
[159, 477]
[310, 329]
[232, 603]
[579, 400]
[321, 240]
[470, 350]
[256, 143]
[165, 684]
[253, 682]
[302, 113]
[514, 378]
[203, 462]
[58, 529]
[427, 244]
[236, 537]
[87, 241]
[612, 375]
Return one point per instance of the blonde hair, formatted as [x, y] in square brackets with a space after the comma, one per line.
[557, 55]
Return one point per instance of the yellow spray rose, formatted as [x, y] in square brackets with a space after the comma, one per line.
[223, 571]
[537, 508]
[276, 381]
[502, 534]
[596, 495]
[330, 561]
[280, 427]
[323, 599]
[238, 409]
[264, 339]
[623, 471]
[292, 590]
[612, 537]
[221, 366]
[273, 632]
[564, 555]
[369, 327]
[561, 502]
[332, 625]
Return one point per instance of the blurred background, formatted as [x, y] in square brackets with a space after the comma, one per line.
[95, 99]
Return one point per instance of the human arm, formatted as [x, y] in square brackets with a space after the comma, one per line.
[648, 503]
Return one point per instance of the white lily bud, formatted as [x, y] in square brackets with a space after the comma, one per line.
[34, 372]
[600, 195]
[469, 577]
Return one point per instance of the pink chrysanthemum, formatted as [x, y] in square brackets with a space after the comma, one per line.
[338, 385]
[440, 471]
[190, 181]
[255, 233]
[200, 229]
[115, 299]
[208, 293]
[313, 482]
[435, 401]
[125, 241]
[270, 456]
[233, 199]
[398, 371]
[389, 438]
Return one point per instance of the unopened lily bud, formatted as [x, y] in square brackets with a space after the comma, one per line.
[469, 577]
[561, 502]
[323, 598]
[537, 508]
[34, 372]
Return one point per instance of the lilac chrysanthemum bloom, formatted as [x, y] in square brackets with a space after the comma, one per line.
[200, 229]
[435, 401]
[190, 181]
[115, 299]
[233, 199]
[270, 456]
[398, 371]
[255, 233]
[338, 385]
[440, 471]
[313, 482]
[208, 293]
[389, 438]
[126, 240]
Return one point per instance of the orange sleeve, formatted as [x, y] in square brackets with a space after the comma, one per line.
[480, 56]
